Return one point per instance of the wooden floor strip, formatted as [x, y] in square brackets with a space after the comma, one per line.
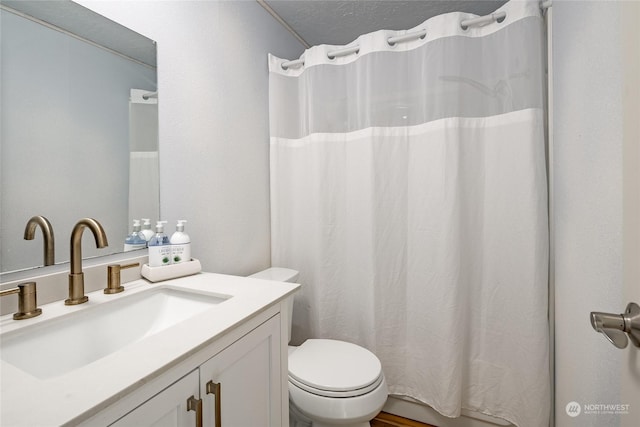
[384, 419]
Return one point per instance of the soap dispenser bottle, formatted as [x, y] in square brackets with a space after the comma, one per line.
[136, 239]
[146, 229]
[180, 244]
[159, 247]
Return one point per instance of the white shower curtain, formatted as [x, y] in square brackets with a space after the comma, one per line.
[144, 174]
[408, 187]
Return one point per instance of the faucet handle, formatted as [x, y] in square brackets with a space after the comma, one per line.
[27, 300]
[113, 277]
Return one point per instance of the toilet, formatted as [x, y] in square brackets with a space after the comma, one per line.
[331, 383]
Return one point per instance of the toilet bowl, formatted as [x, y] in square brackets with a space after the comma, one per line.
[331, 382]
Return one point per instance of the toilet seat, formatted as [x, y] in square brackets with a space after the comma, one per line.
[329, 393]
[333, 368]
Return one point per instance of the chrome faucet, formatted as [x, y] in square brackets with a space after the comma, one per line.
[47, 234]
[76, 276]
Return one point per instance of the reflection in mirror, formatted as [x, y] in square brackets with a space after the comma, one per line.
[79, 127]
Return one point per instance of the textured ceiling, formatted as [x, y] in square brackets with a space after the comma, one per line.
[82, 22]
[340, 22]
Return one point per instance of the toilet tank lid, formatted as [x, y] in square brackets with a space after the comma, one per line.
[277, 274]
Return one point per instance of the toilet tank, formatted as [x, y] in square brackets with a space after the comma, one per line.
[279, 274]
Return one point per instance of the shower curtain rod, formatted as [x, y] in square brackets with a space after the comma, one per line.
[481, 20]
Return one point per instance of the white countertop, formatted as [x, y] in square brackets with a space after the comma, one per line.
[29, 401]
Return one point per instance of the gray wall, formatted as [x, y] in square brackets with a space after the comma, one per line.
[595, 108]
[213, 110]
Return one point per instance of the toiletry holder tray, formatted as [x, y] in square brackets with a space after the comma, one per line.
[172, 271]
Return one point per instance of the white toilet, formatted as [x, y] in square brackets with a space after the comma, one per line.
[331, 382]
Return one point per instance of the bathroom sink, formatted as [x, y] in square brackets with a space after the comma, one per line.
[63, 344]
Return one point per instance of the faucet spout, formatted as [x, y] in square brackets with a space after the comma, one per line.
[76, 276]
[47, 234]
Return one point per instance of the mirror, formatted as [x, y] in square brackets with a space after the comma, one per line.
[79, 128]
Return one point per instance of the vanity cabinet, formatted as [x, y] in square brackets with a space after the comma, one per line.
[238, 387]
[207, 329]
[167, 408]
[248, 377]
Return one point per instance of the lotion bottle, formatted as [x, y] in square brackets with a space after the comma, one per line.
[146, 229]
[159, 247]
[180, 244]
[136, 239]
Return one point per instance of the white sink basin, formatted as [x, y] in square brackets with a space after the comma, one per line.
[60, 345]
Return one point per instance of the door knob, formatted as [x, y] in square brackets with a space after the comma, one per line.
[619, 328]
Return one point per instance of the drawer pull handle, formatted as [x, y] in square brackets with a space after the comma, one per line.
[216, 390]
[194, 404]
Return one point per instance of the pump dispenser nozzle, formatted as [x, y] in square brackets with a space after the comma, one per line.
[159, 247]
[180, 244]
[136, 239]
[146, 229]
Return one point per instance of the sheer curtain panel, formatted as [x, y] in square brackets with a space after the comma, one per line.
[408, 187]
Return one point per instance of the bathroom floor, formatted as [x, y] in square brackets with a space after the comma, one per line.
[384, 419]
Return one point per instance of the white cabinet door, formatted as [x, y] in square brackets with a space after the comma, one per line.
[243, 381]
[239, 387]
[169, 408]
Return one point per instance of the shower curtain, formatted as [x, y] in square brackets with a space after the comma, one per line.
[144, 174]
[408, 187]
